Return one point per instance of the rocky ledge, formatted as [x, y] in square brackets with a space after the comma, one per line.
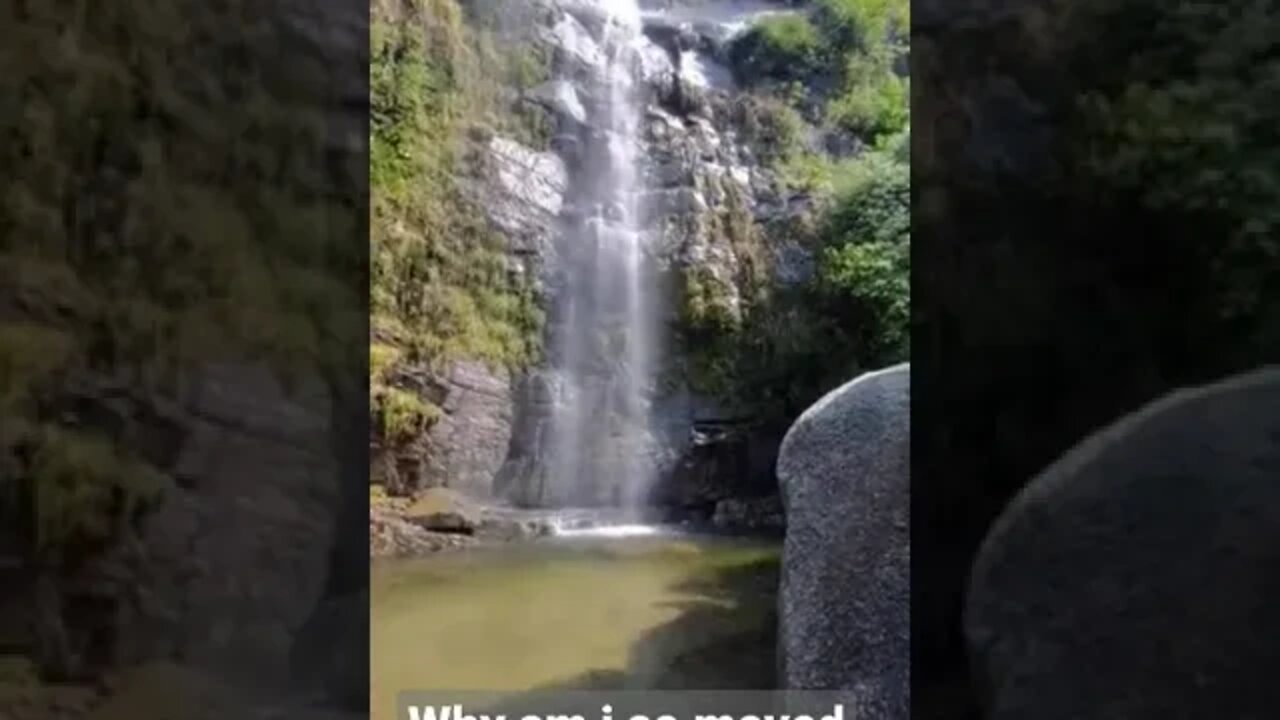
[441, 519]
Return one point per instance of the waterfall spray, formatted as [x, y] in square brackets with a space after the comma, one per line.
[605, 347]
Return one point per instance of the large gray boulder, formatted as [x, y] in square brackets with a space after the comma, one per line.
[845, 473]
[1139, 576]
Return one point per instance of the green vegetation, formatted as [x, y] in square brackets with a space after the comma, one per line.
[146, 230]
[769, 125]
[442, 288]
[790, 344]
[1191, 140]
[787, 344]
[1129, 251]
[849, 50]
[873, 100]
[784, 48]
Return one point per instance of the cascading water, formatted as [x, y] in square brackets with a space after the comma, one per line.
[604, 348]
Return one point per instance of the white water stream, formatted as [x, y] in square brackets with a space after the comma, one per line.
[607, 343]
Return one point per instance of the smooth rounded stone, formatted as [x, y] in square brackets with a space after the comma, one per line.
[1139, 576]
[443, 510]
[844, 468]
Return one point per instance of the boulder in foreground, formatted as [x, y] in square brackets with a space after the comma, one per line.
[845, 473]
[1138, 576]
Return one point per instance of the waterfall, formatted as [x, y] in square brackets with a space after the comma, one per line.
[604, 348]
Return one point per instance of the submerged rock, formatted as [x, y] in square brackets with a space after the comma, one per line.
[1136, 577]
[844, 468]
[392, 535]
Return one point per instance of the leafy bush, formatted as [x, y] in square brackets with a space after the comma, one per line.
[863, 24]
[787, 345]
[873, 103]
[794, 343]
[782, 48]
[773, 129]
[863, 271]
[844, 58]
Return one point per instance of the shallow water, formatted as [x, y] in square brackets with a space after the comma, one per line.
[660, 611]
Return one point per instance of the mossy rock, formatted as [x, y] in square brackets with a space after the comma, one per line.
[783, 48]
[443, 510]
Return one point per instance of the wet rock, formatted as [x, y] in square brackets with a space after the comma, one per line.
[672, 174]
[657, 66]
[513, 525]
[674, 202]
[392, 535]
[526, 189]
[442, 510]
[575, 45]
[673, 36]
[467, 445]
[749, 514]
[844, 469]
[1135, 577]
[446, 521]
[561, 97]
[793, 264]
[568, 147]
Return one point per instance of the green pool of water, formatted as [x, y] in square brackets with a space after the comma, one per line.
[635, 613]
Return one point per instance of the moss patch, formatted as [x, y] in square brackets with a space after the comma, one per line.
[443, 286]
[146, 231]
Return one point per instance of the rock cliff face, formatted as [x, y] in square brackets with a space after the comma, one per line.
[184, 498]
[705, 190]
[466, 447]
[246, 493]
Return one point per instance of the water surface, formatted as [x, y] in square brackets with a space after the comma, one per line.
[636, 612]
